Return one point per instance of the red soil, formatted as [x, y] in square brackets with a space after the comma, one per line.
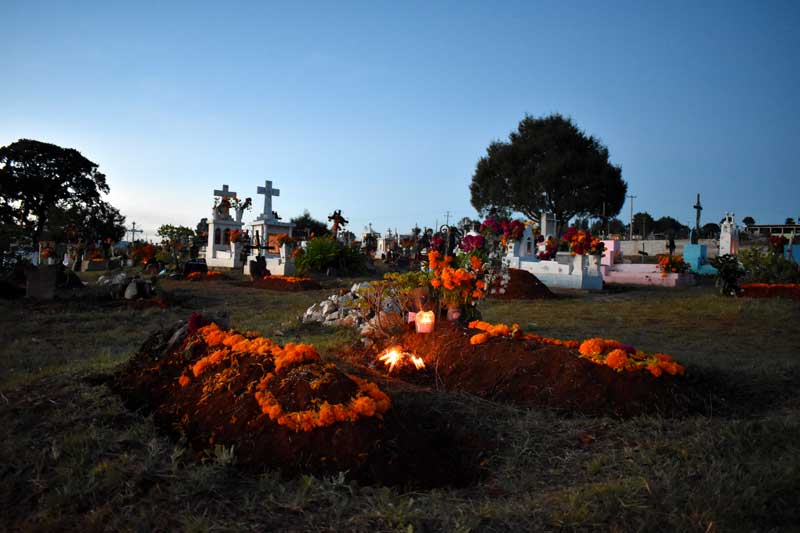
[415, 447]
[531, 374]
[524, 286]
[279, 283]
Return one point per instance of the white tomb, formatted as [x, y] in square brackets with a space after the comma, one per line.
[572, 272]
[729, 236]
[220, 251]
[278, 258]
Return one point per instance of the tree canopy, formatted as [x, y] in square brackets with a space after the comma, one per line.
[710, 230]
[748, 221]
[670, 227]
[307, 222]
[643, 224]
[548, 164]
[38, 177]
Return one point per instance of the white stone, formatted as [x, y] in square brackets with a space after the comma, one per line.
[131, 291]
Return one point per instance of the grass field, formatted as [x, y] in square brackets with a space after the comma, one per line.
[72, 457]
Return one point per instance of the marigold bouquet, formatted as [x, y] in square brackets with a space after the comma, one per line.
[672, 264]
[456, 286]
[581, 242]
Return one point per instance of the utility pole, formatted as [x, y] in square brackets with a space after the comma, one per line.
[630, 228]
[447, 216]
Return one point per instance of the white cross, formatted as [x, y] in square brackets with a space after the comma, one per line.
[268, 193]
[225, 193]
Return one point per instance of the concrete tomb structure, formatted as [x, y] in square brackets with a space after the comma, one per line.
[264, 231]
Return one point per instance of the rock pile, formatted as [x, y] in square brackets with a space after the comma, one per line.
[350, 310]
[123, 286]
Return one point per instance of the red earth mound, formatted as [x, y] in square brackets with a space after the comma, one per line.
[771, 290]
[523, 285]
[530, 373]
[282, 407]
[286, 284]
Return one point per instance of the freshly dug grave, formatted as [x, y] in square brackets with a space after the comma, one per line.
[285, 283]
[771, 290]
[283, 408]
[530, 373]
[523, 285]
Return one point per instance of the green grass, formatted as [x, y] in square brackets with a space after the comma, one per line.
[74, 458]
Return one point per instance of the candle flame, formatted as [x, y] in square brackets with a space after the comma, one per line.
[395, 357]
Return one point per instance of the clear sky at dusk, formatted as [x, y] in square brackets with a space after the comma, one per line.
[382, 109]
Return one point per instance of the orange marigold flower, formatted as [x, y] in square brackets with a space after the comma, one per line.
[480, 338]
[654, 369]
[477, 294]
[436, 283]
[475, 263]
[184, 380]
[617, 359]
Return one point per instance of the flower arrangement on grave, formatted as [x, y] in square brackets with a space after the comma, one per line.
[503, 229]
[550, 249]
[472, 243]
[581, 242]
[95, 254]
[47, 252]
[672, 264]
[236, 236]
[457, 286]
[607, 352]
[225, 347]
[239, 204]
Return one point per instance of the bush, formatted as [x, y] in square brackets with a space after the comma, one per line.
[767, 267]
[323, 253]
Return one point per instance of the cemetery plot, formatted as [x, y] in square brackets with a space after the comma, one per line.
[282, 407]
[500, 363]
[285, 283]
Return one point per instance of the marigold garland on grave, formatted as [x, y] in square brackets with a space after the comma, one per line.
[608, 352]
[223, 345]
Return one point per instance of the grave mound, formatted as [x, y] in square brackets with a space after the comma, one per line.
[531, 371]
[286, 283]
[523, 285]
[281, 407]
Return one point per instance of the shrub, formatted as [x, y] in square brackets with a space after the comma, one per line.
[323, 253]
[764, 267]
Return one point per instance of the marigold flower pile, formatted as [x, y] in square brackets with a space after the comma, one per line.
[288, 279]
[197, 276]
[672, 264]
[600, 351]
[771, 290]
[226, 345]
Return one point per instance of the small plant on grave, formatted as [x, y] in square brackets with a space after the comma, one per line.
[458, 286]
[324, 253]
[729, 272]
[672, 264]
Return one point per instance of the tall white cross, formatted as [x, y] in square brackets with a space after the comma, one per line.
[268, 193]
[225, 193]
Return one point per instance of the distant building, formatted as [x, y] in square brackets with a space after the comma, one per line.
[768, 230]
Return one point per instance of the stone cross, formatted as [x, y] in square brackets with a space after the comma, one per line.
[268, 193]
[225, 193]
[696, 234]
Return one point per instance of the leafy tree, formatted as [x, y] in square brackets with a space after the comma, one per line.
[643, 223]
[99, 222]
[748, 221]
[311, 224]
[548, 164]
[710, 230]
[789, 221]
[36, 177]
[670, 226]
[614, 226]
[178, 238]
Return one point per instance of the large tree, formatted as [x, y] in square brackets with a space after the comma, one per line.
[37, 177]
[548, 164]
[670, 227]
[312, 225]
[643, 224]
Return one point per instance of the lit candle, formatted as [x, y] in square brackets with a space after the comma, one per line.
[424, 321]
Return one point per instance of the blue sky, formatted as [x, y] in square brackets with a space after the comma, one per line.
[382, 109]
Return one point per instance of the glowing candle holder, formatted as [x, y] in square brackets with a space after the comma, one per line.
[424, 321]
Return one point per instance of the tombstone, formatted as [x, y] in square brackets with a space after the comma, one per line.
[729, 236]
[220, 252]
[265, 225]
[549, 225]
